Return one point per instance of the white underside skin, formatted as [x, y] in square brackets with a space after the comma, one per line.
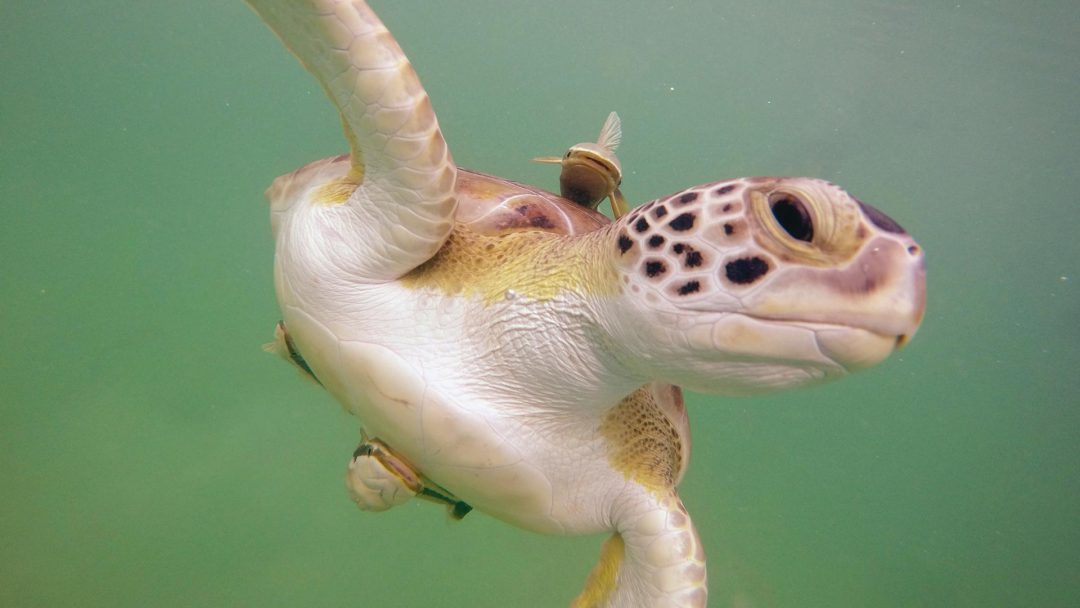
[520, 446]
[455, 404]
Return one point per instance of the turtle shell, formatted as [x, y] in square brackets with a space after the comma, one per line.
[493, 205]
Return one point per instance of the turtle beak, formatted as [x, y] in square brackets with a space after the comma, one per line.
[548, 160]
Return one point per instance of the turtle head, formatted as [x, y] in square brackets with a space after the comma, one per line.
[759, 284]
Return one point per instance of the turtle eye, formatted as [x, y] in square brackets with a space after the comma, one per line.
[793, 217]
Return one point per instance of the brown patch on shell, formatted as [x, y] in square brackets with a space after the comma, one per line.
[491, 205]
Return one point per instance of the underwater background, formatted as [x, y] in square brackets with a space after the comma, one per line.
[152, 455]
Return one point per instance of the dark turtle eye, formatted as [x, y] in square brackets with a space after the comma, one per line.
[793, 217]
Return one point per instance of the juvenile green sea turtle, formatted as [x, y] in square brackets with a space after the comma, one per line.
[517, 350]
[590, 170]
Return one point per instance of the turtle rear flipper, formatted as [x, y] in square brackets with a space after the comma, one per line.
[379, 479]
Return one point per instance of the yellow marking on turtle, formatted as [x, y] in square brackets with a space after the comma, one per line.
[601, 581]
[335, 192]
[642, 442]
[356, 158]
[529, 263]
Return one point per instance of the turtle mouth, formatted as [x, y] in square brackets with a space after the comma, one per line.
[823, 349]
[855, 348]
[850, 346]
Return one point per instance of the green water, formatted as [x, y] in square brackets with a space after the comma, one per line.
[152, 455]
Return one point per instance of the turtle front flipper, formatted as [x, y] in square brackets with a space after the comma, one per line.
[400, 186]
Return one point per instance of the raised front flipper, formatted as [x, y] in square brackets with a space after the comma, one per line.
[399, 191]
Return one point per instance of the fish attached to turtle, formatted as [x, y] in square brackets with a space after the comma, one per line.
[591, 172]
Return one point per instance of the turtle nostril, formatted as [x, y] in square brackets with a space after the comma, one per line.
[793, 217]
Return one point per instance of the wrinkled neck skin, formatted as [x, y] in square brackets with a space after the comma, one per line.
[540, 342]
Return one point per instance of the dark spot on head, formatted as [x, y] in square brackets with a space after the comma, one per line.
[641, 225]
[727, 208]
[660, 212]
[655, 241]
[688, 197]
[655, 268]
[625, 243]
[522, 210]
[729, 229]
[879, 219]
[683, 222]
[722, 190]
[690, 287]
[679, 248]
[744, 271]
[693, 259]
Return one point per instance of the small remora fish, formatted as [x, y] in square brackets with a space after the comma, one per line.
[591, 172]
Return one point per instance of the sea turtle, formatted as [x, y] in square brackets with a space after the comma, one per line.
[517, 350]
[590, 170]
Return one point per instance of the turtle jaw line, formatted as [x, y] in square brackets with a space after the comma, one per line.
[739, 353]
[854, 347]
[848, 346]
[815, 325]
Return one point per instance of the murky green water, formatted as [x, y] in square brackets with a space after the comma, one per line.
[152, 455]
